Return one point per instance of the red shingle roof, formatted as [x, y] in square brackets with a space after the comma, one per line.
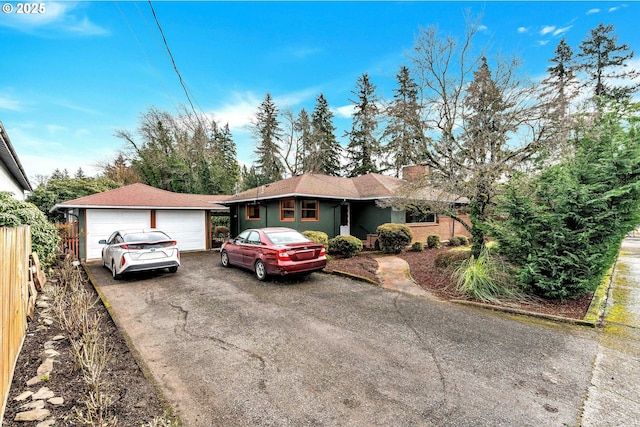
[369, 186]
[144, 196]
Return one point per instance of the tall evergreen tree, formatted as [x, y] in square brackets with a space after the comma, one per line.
[229, 168]
[326, 150]
[606, 62]
[559, 89]
[303, 128]
[404, 134]
[250, 178]
[268, 135]
[484, 143]
[363, 150]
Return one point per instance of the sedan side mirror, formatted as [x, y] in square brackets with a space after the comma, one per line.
[102, 242]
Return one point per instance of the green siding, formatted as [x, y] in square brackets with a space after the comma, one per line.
[365, 217]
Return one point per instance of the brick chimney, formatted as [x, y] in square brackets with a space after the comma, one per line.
[414, 172]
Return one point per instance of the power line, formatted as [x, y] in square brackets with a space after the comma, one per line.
[175, 67]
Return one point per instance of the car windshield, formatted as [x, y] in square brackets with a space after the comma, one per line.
[155, 236]
[284, 237]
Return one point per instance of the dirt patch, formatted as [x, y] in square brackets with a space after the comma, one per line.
[438, 282]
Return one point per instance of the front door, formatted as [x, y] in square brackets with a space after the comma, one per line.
[345, 224]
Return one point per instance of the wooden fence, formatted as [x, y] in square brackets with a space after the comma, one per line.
[69, 238]
[15, 249]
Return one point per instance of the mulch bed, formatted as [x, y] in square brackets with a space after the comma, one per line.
[136, 401]
[438, 282]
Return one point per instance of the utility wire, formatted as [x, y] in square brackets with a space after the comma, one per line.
[175, 67]
[144, 52]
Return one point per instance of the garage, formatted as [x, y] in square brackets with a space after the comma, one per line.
[184, 226]
[184, 217]
[100, 223]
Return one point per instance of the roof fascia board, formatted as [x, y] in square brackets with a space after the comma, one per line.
[181, 208]
[13, 163]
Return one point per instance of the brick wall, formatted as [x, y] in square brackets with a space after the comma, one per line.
[445, 228]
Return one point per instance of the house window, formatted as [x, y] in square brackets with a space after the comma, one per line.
[253, 212]
[416, 215]
[309, 210]
[287, 210]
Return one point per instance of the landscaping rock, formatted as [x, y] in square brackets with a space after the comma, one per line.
[33, 415]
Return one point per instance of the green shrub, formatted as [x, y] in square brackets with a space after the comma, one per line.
[449, 258]
[44, 235]
[417, 247]
[454, 241]
[433, 241]
[345, 245]
[221, 232]
[394, 238]
[563, 227]
[462, 240]
[317, 236]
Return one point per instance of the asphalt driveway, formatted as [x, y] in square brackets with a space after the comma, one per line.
[228, 350]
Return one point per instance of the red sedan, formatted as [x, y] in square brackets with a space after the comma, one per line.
[273, 250]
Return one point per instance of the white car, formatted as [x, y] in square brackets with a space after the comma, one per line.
[139, 250]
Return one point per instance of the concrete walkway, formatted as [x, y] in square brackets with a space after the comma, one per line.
[614, 395]
[394, 274]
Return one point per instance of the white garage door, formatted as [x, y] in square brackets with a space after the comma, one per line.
[187, 227]
[102, 222]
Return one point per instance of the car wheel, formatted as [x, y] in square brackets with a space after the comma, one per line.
[261, 270]
[115, 275]
[173, 269]
[224, 259]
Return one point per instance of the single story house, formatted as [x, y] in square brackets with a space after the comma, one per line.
[336, 206]
[12, 176]
[184, 217]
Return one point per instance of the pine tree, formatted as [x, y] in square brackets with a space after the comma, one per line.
[406, 141]
[250, 178]
[325, 148]
[605, 62]
[363, 150]
[560, 88]
[229, 168]
[303, 128]
[484, 144]
[268, 134]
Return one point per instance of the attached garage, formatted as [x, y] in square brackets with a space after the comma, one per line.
[185, 227]
[184, 217]
[101, 223]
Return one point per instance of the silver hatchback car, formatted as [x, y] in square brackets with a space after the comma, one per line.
[139, 250]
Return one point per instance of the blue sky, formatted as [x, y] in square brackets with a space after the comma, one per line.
[75, 74]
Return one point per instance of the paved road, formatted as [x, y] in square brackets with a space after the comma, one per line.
[228, 350]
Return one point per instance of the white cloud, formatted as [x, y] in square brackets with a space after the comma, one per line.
[345, 111]
[592, 11]
[547, 29]
[482, 28]
[542, 42]
[239, 112]
[613, 9]
[53, 129]
[10, 104]
[562, 30]
[523, 30]
[59, 17]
